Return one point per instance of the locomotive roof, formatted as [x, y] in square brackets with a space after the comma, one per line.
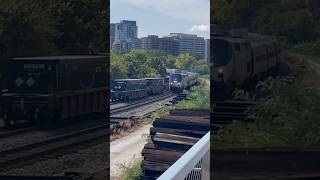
[59, 58]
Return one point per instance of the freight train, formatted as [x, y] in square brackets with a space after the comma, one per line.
[241, 60]
[46, 90]
[182, 81]
[129, 89]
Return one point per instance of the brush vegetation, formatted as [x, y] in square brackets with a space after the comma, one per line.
[287, 117]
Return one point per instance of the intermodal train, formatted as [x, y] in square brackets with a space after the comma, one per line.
[49, 89]
[129, 89]
[241, 59]
[182, 81]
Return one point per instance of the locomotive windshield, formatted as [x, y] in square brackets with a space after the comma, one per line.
[119, 86]
[221, 52]
[176, 77]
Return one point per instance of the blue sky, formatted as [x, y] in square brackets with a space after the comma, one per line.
[160, 17]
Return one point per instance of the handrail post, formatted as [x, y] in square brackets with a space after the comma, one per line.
[205, 170]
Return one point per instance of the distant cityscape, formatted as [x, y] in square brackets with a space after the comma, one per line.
[124, 38]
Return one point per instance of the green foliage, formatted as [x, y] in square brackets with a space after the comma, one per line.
[185, 61]
[137, 64]
[132, 170]
[118, 69]
[198, 98]
[296, 26]
[206, 76]
[290, 20]
[240, 95]
[289, 117]
[35, 27]
[191, 63]
[201, 68]
[170, 62]
[307, 48]
[147, 137]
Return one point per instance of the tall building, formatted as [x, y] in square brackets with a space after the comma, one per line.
[169, 45]
[190, 43]
[126, 30]
[207, 51]
[150, 42]
[125, 46]
[112, 33]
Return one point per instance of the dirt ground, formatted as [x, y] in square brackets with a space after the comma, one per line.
[125, 149]
[305, 69]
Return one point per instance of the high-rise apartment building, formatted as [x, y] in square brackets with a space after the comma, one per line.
[207, 51]
[169, 45]
[150, 42]
[126, 30]
[112, 33]
[190, 43]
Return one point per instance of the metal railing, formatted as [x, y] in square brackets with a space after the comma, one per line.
[193, 165]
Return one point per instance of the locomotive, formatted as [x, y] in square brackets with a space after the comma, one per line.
[129, 89]
[240, 60]
[45, 90]
[182, 81]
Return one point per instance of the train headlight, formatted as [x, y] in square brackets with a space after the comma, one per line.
[220, 70]
[178, 84]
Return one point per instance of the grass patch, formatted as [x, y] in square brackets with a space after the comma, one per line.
[206, 77]
[132, 171]
[199, 97]
[307, 48]
[288, 117]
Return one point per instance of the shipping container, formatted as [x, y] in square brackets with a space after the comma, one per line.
[57, 73]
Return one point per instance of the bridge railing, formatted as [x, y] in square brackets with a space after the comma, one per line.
[193, 165]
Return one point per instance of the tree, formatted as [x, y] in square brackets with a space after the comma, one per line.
[201, 68]
[185, 61]
[26, 29]
[170, 62]
[36, 27]
[157, 61]
[118, 68]
[291, 20]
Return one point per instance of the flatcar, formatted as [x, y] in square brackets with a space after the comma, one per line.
[155, 85]
[241, 60]
[128, 89]
[46, 90]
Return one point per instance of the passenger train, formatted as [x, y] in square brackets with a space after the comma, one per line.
[182, 81]
[241, 60]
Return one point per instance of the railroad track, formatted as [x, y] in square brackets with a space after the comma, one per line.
[225, 112]
[119, 123]
[119, 110]
[12, 132]
[57, 145]
[54, 145]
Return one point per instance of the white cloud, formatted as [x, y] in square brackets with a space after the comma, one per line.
[200, 28]
[197, 11]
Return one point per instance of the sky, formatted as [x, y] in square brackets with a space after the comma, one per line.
[162, 17]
